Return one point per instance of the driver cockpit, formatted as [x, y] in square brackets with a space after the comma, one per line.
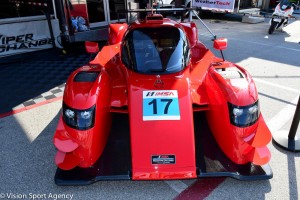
[152, 50]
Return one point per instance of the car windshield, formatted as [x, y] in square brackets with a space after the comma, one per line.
[160, 50]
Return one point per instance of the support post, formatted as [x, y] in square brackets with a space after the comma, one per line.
[290, 141]
[295, 123]
[48, 17]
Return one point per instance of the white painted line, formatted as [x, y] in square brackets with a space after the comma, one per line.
[258, 43]
[282, 117]
[177, 185]
[277, 85]
[263, 44]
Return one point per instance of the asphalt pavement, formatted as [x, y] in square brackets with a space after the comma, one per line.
[274, 62]
[27, 154]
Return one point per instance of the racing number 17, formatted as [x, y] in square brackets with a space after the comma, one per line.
[154, 103]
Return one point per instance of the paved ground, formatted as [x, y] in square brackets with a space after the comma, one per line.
[274, 62]
[28, 80]
[26, 152]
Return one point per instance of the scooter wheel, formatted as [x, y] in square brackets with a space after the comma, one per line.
[272, 27]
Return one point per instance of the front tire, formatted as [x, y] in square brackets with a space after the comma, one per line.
[272, 26]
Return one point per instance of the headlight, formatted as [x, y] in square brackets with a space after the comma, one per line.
[243, 116]
[79, 119]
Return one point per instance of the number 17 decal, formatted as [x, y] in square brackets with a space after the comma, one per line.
[160, 105]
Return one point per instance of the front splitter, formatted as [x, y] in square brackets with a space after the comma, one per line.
[115, 162]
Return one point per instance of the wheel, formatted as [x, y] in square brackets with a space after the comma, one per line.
[272, 27]
[280, 23]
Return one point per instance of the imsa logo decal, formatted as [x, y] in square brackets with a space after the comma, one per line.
[164, 159]
[160, 105]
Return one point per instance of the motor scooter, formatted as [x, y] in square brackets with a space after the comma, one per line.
[283, 11]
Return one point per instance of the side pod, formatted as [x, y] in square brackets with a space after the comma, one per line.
[234, 116]
[83, 128]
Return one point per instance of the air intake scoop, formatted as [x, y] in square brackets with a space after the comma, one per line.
[154, 19]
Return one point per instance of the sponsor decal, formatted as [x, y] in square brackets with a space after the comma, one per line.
[161, 94]
[160, 105]
[218, 5]
[163, 159]
[27, 36]
[21, 42]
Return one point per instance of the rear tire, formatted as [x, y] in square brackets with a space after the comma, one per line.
[272, 27]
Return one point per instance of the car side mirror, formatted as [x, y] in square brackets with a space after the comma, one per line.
[91, 47]
[220, 43]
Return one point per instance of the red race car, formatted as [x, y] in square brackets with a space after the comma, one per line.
[156, 104]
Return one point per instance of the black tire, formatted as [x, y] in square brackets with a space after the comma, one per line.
[272, 27]
[280, 23]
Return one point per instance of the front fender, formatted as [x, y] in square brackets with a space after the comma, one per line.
[84, 147]
[229, 83]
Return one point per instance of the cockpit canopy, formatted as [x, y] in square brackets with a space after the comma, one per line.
[155, 50]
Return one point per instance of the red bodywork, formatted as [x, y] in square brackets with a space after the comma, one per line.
[201, 87]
